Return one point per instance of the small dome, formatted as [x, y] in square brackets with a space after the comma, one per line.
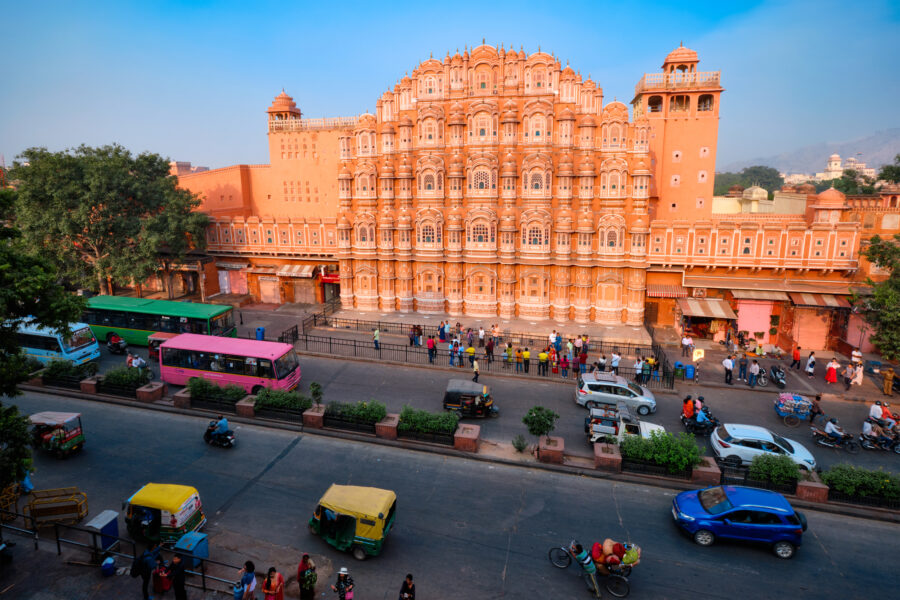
[567, 114]
[367, 118]
[406, 122]
[640, 225]
[585, 222]
[586, 168]
[343, 221]
[565, 168]
[345, 173]
[681, 55]
[834, 157]
[805, 188]
[831, 197]
[387, 169]
[509, 166]
[284, 103]
[388, 128]
[641, 169]
[754, 192]
[385, 220]
[405, 171]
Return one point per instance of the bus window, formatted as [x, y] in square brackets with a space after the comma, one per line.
[168, 324]
[221, 325]
[265, 369]
[250, 366]
[285, 365]
[80, 339]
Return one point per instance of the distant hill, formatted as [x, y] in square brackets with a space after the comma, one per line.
[877, 149]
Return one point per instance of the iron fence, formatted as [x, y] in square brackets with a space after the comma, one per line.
[289, 336]
[292, 415]
[496, 363]
[215, 403]
[321, 318]
[350, 424]
[72, 382]
[433, 437]
[836, 496]
[741, 476]
[126, 391]
[648, 468]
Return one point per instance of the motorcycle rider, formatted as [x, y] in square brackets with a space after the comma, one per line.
[221, 427]
[687, 408]
[833, 430]
[887, 417]
[873, 430]
[698, 405]
[703, 421]
[875, 411]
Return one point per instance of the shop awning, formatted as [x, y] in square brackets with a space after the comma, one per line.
[232, 266]
[712, 308]
[264, 270]
[760, 295]
[297, 271]
[662, 290]
[331, 278]
[823, 300]
[811, 286]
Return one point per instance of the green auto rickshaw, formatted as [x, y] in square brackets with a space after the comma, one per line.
[355, 518]
[57, 432]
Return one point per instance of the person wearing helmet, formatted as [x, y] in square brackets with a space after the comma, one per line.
[875, 411]
[832, 429]
[874, 431]
[889, 419]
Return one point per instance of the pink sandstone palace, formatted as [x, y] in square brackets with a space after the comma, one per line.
[500, 183]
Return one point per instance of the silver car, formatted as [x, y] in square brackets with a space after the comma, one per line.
[598, 388]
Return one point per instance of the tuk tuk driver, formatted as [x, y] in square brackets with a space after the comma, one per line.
[221, 426]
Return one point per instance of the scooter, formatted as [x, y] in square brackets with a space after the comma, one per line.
[846, 442]
[116, 347]
[872, 443]
[762, 380]
[705, 428]
[226, 440]
[779, 378]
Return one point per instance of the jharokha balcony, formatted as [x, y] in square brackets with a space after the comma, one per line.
[678, 81]
[309, 124]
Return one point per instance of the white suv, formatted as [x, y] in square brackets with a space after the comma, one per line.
[595, 389]
[738, 444]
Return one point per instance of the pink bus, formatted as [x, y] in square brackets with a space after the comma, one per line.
[250, 364]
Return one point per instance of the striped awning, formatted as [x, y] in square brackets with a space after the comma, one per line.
[759, 295]
[712, 308]
[232, 266]
[823, 300]
[264, 270]
[662, 290]
[297, 271]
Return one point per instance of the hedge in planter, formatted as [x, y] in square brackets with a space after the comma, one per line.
[677, 453]
[774, 468]
[201, 388]
[267, 398]
[422, 421]
[127, 377]
[863, 483]
[362, 412]
[58, 369]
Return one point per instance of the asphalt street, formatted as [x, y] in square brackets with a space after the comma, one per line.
[465, 528]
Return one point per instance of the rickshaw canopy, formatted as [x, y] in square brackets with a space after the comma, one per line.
[466, 387]
[168, 497]
[53, 418]
[368, 502]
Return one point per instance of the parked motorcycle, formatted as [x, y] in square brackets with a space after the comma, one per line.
[870, 442]
[225, 440]
[762, 380]
[705, 428]
[778, 376]
[846, 442]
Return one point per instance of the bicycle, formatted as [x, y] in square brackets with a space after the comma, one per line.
[616, 583]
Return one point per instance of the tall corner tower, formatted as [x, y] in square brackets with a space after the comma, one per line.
[682, 107]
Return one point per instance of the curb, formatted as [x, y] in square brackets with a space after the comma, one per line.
[766, 390]
[877, 514]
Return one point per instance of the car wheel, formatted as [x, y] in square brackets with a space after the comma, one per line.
[784, 549]
[704, 537]
[732, 461]
[643, 411]
[359, 553]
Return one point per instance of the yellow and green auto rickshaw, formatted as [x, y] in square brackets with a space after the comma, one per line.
[57, 432]
[355, 518]
[163, 512]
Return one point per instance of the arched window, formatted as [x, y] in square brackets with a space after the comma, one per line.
[614, 183]
[535, 236]
[428, 234]
[428, 182]
[615, 134]
[611, 239]
[481, 180]
[705, 103]
[429, 85]
[655, 104]
[537, 181]
[679, 104]
[480, 233]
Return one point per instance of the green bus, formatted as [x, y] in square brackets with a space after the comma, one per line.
[134, 319]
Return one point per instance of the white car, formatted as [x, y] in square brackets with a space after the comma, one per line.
[737, 445]
[607, 420]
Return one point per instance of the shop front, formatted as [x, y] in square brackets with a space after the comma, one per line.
[705, 318]
[232, 277]
[299, 283]
[815, 318]
[659, 306]
[758, 313]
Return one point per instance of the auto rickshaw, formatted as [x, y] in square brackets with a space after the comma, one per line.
[469, 399]
[57, 432]
[355, 518]
[153, 342]
[163, 512]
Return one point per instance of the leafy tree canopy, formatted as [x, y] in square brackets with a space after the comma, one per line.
[882, 309]
[891, 173]
[765, 177]
[540, 421]
[15, 449]
[851, 183]
[103, 215]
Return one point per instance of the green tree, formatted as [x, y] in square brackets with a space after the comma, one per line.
[103, 215]
[882, 309]
[540, 421]
[853, 183]
[765, 177]
[15, 449]
[891, 173]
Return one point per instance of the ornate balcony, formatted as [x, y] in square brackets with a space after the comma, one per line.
[678, 81]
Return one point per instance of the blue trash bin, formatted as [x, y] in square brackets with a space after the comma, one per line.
[192, 546]
[689, 372]
[261, 333]
[679, 364]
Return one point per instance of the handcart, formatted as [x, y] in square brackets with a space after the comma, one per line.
[792, 408]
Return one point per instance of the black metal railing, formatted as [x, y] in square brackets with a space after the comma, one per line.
[431, 437]
[741, 476]
[321, 318]
[126, 391]
[293, 415]
[290, 335]
[648, 468]
[216, 403]
[9, 520]
[72, 382]
[658, 378]
[836, 496]
[338, 421]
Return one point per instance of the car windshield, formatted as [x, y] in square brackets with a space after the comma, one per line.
[79, 339]
[285, 365]
[714, 500]
[635, 389]
[783, 443]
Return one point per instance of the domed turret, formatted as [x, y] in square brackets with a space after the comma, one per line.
[754, 192]
[585, 222]
[509, 166]
[681, 56]
[831, 197]
[404, 171]
[567, 114]
[566, 168]
[345, 173]
[284, 106]
[586, 168]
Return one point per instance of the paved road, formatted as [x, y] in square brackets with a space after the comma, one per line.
[465, 528]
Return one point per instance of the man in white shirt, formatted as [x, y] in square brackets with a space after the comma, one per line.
[685, 345]
[481, 337]
[754, 373]
[856, 356]
[876, 412]
[832, 429]
[729, 367]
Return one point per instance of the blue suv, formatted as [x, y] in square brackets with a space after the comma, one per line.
[740, 513]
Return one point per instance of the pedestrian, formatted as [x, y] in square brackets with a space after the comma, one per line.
[570, 349]
[247, 581]
[858, 374]
[376, 336]
[344, 584]
[273, 586]
[815, 409]
[578, 343]
[470, 336]
[887, 387]
[460, 356]
[831, 370]
[441, 335]
[638, 367]
[408, 588]
[645, 371]
[585, 343]
[526, 359]
[177, 574]
[614, 362]
[412, 336]
[811, 365]
[431, 349]
[728, 365]
[795, 358]
[470, 352]
[601, 364]
[475, 370]
[447, 330]
[582, 360]
[510, 355]
[551, 339]
[848, 376]
[519, 359]
[489, 350]
[481, 337]
[495, 332]
[542, 362]
[564, 365]
[742, 367]
[685, 345]
[129, 360]
[145, 566]
[754, 372]
[856, 357]
[452, 352]
[306, 578]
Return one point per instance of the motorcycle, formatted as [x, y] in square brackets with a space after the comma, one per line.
[705, 428]
[870, 442]
[225, 440]
[119, 346]
[846, 441]
[776, 372]
[762, 380]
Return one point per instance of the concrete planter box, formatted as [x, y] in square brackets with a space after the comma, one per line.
[607, 457]
[91, 385]
[551, 449]
[36, 378]
[152, 392]
[246, 408]
[182, 399]
[706, 473]
[812, 490]
[387, 427]
[314, 417]
[467, 438]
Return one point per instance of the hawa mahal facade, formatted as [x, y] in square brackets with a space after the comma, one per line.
[501, 183]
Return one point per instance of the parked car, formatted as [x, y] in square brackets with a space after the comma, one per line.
[737, 445]
[616, 421]
[740, 513]
[596, 388]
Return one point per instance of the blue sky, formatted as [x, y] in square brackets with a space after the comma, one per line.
[191, 80]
